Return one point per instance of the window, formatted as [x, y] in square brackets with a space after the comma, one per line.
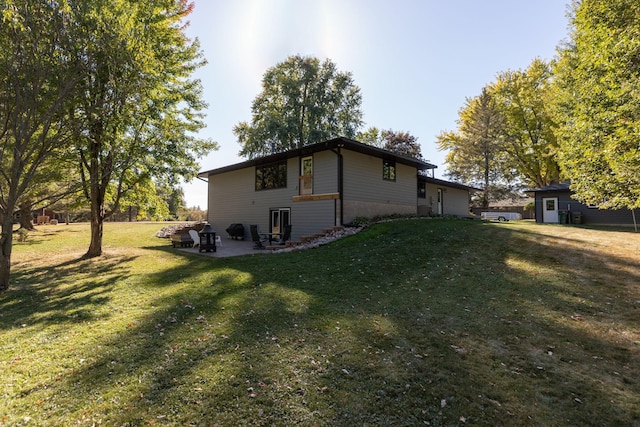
[422, 190]
[389, 170]
[307, 166]
[271, 176]
[306, 176]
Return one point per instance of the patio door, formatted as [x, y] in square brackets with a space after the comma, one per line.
[279, 218]
[550, 210]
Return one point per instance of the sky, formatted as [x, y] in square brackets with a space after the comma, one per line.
[415, 61]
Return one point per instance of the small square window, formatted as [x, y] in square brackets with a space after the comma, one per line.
[389, 170]
[422, 190]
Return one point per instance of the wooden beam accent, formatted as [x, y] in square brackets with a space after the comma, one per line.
[310, 197]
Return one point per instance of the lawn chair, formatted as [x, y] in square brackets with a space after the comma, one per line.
[195, 237]
[255, 236]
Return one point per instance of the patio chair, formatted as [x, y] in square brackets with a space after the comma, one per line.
[195, 237]
[285, 236]
[255, 236]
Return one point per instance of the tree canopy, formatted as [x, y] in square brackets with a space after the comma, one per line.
[506, 136]
[598, 104]
[476, 153]
[371, 136]
[303, 101]
[37, 79]
[402, 143]
[106, 84]
[524, 99]
[137, 106]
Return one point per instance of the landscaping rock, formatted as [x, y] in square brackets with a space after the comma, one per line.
[322, 239]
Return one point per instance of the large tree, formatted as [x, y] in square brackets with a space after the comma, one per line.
[523, 98]
[138, 107]
[476, 152]
[598, 77]
[37, 79]
[402, 143]
[303, 101]
[372, 136]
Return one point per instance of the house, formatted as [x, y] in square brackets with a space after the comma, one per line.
[439, 197]
[555, 205]
[323, 185]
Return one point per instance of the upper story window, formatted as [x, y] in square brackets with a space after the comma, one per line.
[273, 175]
[389, 170]
[306, 176]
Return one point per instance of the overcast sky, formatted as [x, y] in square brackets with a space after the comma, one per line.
[415, 61]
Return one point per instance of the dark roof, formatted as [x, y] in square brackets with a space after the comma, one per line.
[563, 186]
[447, 183]
[331, 144]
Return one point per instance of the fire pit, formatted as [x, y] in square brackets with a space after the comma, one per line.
[181, 239]
[207, 239]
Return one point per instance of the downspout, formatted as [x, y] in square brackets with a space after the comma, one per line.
[340, 182]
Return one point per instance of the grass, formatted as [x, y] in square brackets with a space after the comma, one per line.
[423, 322]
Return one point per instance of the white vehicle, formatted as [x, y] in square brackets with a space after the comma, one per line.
[500, 216]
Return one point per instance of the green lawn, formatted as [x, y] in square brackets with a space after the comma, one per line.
[416, 322]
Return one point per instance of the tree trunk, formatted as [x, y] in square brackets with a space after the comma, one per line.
[485, 193]
[6, 242]
[26, 220]
[97, 225]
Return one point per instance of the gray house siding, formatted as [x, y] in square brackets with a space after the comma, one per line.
[590, 215]
[312, 217]
[325, 172]
[443, 197]
[367, 194]
[234, 199]
[456, 202]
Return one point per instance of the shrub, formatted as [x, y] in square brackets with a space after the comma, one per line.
[22, 234]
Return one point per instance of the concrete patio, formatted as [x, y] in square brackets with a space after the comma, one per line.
[229, 248]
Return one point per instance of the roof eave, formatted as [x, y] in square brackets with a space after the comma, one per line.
[331, 144]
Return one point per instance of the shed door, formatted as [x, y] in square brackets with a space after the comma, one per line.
[550, 210]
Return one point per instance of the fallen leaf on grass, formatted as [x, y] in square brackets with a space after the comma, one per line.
[460, 350]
